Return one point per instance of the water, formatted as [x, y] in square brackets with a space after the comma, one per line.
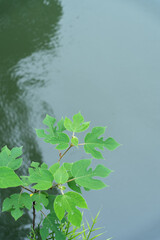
[99, 57]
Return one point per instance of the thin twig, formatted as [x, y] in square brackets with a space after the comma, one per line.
[43, 213]
[65, 152]
[27, 189]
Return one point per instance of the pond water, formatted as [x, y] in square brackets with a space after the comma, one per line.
[100, 58]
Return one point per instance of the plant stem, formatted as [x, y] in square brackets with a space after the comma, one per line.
[34, 215]
[70, 180]
[81, 144]
[43, 213]
[65, 152]
[27, 189]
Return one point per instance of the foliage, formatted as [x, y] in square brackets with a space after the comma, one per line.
[62, 212]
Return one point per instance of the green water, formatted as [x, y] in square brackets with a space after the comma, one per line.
[25, 27]
[100, 57]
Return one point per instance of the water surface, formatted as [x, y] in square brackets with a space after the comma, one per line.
[102, 58]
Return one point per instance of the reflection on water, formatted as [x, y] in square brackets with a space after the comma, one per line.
[27, 29]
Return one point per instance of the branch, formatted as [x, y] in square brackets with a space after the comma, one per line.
[27, 189]
[34, 215]
[65, 152]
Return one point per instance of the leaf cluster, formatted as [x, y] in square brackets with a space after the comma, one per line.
[41, 179]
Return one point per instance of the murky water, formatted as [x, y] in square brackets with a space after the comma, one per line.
[99, 57]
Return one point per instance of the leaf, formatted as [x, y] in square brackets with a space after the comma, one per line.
[8, 178]
[61, 126]
[61, 176]
[39, 198]
[35, 164]
[78, 124]
[16, 213]
[54, 168]
[51, 199]
[44, 166]
[25, 180]
[49, 121]
[10, 158]
[111, 144]
[74, 141]
[61, 139]
[92, 141]
[51, 223]
[54, 136]
[84, 177]
[68, 167]
[42, 177]
[68, 202]
[75, 187]
[15, 203]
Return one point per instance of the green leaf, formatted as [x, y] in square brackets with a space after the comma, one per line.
[92, 141]
[68, 202]
[10, 158]
[54, 136]
[74, 141]
[61, 176]
[75, 187]
[16, 213]
[8, 178]
[84, 177]
[49, 121]
[35, 164]
[51, 199]
[25, 180]
[61, 126]
[77, 125]
[42, 177]
[15, 203]
[111, 144]
[68, 167]
[40, 133]
[39, 198]
[44, 166]
[51, 223]
[54, 168]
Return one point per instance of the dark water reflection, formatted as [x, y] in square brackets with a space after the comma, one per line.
[26, 27]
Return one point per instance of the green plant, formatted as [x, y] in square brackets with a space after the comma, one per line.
[59, 211]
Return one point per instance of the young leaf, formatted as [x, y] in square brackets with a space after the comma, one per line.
[68, 202]
[92, 141]
[8, 178]
[74, 141]
[49, 121]
[10, 158]
[15, 203]
[61, 176]
[39, 198]
[42, 177]
[84, 177]
[78, 124]
[61, 139]
[53, 135]
[61, 126]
